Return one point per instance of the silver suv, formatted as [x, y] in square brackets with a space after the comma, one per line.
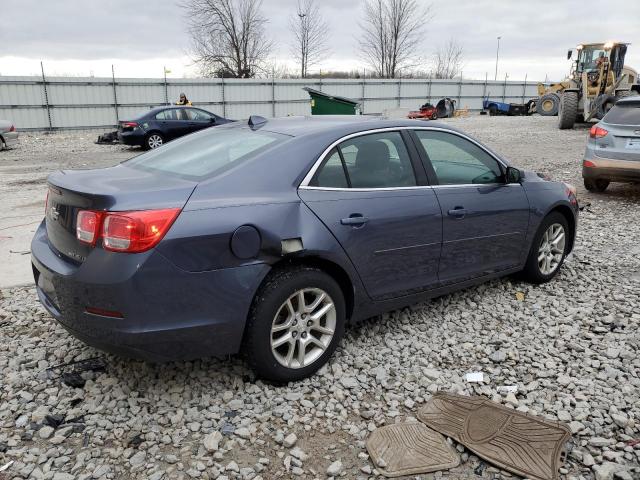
[613, 149]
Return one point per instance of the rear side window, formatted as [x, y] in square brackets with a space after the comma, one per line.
[378, 160]
[332, 173]
[166, 115]
[457, 161]
[207, 153]
[622, 114]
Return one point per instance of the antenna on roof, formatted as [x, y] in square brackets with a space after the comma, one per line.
[256, 121]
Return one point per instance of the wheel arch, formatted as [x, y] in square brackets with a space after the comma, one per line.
[567, 213]
[335, 271]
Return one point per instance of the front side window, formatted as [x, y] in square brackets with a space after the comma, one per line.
[457, 161]
[378, 160]
[198, 115]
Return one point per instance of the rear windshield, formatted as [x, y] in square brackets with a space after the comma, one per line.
[207, 153]
[624, 114]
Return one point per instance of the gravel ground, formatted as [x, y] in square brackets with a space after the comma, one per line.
[570, 346]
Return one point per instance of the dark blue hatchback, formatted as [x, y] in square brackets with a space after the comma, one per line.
[163, 124]
[268, 237]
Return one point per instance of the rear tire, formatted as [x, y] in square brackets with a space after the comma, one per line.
[548, 105]
[596, 185]
[434, 116]
[282, 323]
[548, 250]
[153, 140]
[567, 110]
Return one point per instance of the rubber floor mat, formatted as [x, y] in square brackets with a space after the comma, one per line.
[409, 449]
[523, 444]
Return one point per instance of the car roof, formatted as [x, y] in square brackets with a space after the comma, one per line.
[634, 100]
[297, 126]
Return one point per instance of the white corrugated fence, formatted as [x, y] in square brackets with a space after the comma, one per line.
[36, 103]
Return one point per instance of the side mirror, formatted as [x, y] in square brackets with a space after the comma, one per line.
[513, 175]
[569, 54]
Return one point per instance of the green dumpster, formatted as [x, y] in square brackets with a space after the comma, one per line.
[325, 104]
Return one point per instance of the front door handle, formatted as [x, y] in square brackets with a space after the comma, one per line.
[355, 220]
[458, 212]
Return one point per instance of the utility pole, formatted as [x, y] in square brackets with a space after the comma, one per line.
[497, 54]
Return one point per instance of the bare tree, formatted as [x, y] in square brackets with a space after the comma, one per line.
[392, 34]
[310, 35]
[448, 60]
[228, 36]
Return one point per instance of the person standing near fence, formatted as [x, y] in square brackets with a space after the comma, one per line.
[183, 100]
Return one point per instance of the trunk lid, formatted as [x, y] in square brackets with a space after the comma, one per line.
[116, 188]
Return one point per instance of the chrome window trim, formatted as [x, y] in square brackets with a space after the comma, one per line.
[309, 176]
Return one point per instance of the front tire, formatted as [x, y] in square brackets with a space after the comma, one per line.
[153, 140]
[568, 110]
[548, 104]
[296, 322]
[598, 185]
[548, 250]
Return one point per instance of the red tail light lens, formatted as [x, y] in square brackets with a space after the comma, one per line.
[13, 128]
[88, 226]
[597, 132]
[129, 124]
[135, 232]
[588, 163]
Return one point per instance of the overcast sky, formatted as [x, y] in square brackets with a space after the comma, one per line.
[85, 37]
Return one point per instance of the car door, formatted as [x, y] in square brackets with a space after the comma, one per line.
[170, 123]
[485, 220]
[199, 119]
[368, 194]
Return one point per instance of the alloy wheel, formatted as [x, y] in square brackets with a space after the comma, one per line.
[154, 141]
[551, 249]
[303, 328]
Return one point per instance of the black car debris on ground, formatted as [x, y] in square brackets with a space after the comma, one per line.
[162, 124]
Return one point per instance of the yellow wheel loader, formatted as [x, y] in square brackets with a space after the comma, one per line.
[597, 79]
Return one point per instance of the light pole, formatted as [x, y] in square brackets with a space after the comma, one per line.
[303, 46]
[497, 53]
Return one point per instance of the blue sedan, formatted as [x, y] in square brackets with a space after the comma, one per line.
[160, 125]
[269, 237]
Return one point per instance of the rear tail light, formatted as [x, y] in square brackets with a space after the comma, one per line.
[13, 128]
[135, 232]
[88, 226]
[129, 124]
[588, 163]
[597, 132]
[129, 232]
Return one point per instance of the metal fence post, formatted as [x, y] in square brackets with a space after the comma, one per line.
[524, 87]
[166, 90]
[273, 93]
[504, 87]
[484, 87]
[364, 85]
[115, 94]
[224, 101]
[460, 91]
[46, 96]
[399, 90]
[429, 91]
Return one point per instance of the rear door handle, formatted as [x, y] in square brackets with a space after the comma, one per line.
[458, 212]
[355, 220]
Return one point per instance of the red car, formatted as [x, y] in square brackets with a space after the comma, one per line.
[426, 112]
